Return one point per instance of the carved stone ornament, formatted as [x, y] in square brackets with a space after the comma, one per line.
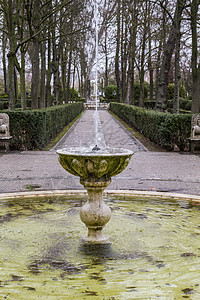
[4, 131]
[195, 126]
[4, 125]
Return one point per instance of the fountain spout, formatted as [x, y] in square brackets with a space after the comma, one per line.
[96, 148]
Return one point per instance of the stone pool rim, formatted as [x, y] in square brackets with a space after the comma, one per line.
[128, 193]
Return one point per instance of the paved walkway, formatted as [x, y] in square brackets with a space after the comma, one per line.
[147, 171]
[109, 133]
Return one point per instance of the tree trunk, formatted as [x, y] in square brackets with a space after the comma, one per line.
[177, 73]
[35, 73]
[15, 84]
[70, 59]
[22, 79]
[79, 81]
[49, 73]
[157, 69]
[195, 68]
[56, 73]
[73, 75]
[106, 59]
[4, 62]
[142, 71]
[42, 103]
[124, 42]
[69, 74]
[128, 94]
[11, 90]
[132, 47]
[11, 56]
[63, 73]
[117, 72]
[161, 103]
[150, 67]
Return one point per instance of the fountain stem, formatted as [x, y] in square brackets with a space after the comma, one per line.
[95, 213]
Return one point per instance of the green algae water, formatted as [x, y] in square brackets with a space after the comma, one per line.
[155, 250]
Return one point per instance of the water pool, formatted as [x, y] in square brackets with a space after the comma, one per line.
[155, 250]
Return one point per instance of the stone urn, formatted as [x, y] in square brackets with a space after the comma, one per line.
[95, 169]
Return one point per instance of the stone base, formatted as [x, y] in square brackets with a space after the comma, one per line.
[4, 143]
[96, 236]
[194, 145]
[105, 241]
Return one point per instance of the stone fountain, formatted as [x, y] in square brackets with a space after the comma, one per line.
[95, 169]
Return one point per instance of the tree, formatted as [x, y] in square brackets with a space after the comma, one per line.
[161, 101]
[133, 8]
[195, 65]
[143, 48]
[117, 53]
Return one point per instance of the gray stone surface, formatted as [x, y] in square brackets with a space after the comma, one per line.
[147, 171]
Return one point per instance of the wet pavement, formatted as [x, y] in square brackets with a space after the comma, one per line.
[148, 171]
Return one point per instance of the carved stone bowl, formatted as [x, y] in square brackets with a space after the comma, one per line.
[88, 164]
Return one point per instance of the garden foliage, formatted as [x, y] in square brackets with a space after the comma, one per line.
[33, 129]
[111, 92]
[164, 129]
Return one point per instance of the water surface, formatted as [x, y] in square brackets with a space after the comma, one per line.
[155, 251]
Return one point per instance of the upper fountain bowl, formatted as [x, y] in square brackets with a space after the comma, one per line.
[88, 164]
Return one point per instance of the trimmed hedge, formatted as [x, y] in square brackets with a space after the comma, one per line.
[184, 104]
[33, 129]
[111, 92]
[164, 129]
[170, 91]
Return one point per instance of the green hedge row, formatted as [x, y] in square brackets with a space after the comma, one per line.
[33, 129]
[184, 104]
[164, 129]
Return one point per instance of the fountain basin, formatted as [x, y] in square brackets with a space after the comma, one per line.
[88, 164]
[156, 256]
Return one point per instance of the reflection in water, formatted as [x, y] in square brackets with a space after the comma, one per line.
[101, 251]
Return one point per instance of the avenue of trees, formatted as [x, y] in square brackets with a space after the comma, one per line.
[53, 41]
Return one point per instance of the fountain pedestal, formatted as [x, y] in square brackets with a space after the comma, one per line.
[95, 169]
[95, 213]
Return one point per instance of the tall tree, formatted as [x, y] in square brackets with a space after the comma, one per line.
[177, 63]
[117, 53]
[143, 48]
[4, 45]
[133, 9]
[10, 9]
[150, 65]
[194, 63]
[161, 101]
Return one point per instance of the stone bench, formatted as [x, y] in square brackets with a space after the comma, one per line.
[4, 132]
[195, 134]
